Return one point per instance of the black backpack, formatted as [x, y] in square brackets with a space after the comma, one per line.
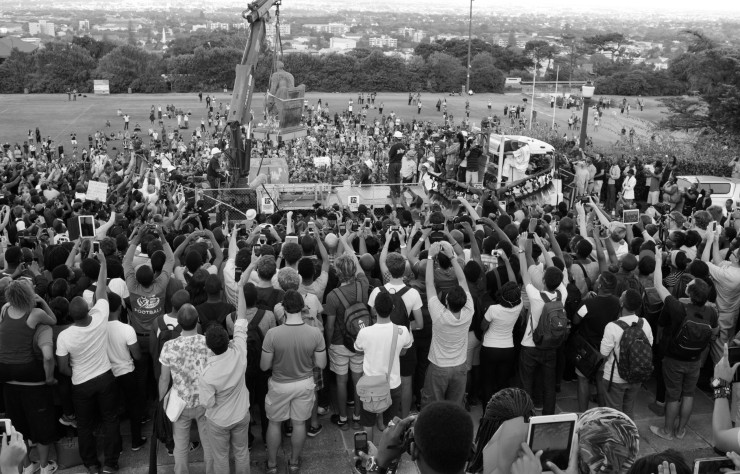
[635, 360]
[275, 297]
[255, 337]
[167, 332]
[356, 316]
[399, 315]
[694, 334]
[553, 327]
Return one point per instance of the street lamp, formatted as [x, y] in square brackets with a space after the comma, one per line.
[470, 36]
[587, 91]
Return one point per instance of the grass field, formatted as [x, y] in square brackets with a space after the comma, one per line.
[57, 117]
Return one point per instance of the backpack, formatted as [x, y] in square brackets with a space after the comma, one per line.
[255, 337]
[694, 334]
[636, 354]
[399, 315]
[553, 328]
[275, 297]
[652, 305]
[356, 316]
[167, 332]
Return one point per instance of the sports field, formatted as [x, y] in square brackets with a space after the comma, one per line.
[57, 117]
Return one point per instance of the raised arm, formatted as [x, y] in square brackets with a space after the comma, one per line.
[545, 254]
[658, 276]
[447, 250]
[600, 257]
[218, 252]
[429, 273]
[520, 249]
[101, 290]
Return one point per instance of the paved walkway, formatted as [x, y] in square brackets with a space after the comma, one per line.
[331, 451]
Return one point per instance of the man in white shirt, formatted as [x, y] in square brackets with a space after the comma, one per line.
[531, 356]
[619, 393]
[726, 277]
[446, 375]
[628, 186]
[82, 351]
[408, 315]
[123, 348]
[375, 342]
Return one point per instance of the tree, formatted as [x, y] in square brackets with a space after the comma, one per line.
[130, 66]
[512, 40]
[445, 72]
[685, 114]
[16, 72]
[612, 42]
[60, 66]
[97, 49]
[484, 76]
[575, 50]
[510, 59]
[540, 50]
[131, 33]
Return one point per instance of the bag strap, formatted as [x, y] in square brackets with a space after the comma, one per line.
[589, 285]
[256, 319]
[342, 298]
[393, 352]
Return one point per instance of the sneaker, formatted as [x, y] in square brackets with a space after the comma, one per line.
[270, 470]
[93, 470]
[137, 445]
[356, 423]
[193, 446]
[314, 431]
[351, 402]
[68, 420]
[51, 467]
[294, 468]
[31, 468]
[109, 470]
[322, 411]
[341, 423]
[288, 428]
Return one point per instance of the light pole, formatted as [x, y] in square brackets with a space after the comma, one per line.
[587, 91]
[470, 36]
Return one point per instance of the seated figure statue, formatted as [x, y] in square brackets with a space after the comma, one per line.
[285, 100]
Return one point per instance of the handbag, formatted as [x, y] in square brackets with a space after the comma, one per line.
[375, 390]
[587, 359]
[175, 405]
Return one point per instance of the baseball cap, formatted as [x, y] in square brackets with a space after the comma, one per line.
[215, 151]
[251, 214]
[398, 134]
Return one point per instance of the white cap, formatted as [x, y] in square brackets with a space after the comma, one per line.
[369, 163]
[398, 134]
[251, 214]
[215, 151]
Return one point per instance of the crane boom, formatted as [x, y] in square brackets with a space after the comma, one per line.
[257, 15]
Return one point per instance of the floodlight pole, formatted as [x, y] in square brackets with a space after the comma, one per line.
[470, 36]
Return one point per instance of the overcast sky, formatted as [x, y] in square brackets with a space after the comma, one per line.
[663, 5]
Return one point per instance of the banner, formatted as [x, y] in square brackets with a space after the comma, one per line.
[321, 161]
[97, 191]
[101, 87]
[267, 206]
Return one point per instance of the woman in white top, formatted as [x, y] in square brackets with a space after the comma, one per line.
[498, 355]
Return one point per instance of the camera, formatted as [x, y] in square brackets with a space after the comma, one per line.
[498, 253]
[438, 227]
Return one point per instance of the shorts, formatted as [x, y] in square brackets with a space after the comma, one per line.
[31, 410]
[369, 419]
[680, 378]
[474, 344]
[290, 400]
[341, 358]
[318, 378]
[408, 362]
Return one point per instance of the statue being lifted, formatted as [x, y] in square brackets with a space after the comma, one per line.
[284, 100]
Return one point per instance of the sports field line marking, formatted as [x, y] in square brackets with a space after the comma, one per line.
[64, 130]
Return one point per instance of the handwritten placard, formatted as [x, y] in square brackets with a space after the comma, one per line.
[97, 191]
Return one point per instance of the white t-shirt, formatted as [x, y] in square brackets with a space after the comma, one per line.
[500, 331]
[411, 298]
[87, 346]
[375, 341]
[610, 344]
[116, 285]
[120, 336]
[449, 334]
[536, 304]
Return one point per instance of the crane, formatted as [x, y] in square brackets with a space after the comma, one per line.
[257, 15]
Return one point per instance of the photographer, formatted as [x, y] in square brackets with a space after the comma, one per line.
[420, 437]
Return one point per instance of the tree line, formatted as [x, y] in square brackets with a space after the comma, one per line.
[205, 61]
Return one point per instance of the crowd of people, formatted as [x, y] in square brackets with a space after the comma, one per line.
[392, 321]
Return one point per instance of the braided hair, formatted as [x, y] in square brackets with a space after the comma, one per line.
[504, 405]
[510, 295]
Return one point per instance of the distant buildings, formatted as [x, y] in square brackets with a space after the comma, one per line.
[383, 42]
[342, 43]
[41, 27]
[333, 28]
[83, 25]
[215, 25]
[9, 43]
[412, 34]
